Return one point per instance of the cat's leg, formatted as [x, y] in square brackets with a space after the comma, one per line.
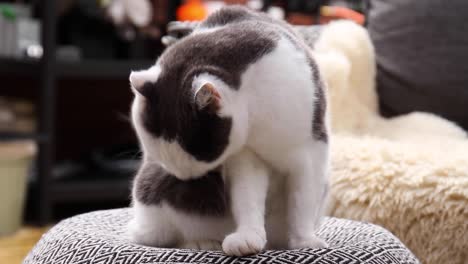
[276, 221]
[307, 184]
[151, 226]
[202, 245]
[248, 179]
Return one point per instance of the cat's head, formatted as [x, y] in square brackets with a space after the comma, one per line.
[184, 120]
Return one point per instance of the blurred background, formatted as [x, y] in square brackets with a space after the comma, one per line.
[66, 142]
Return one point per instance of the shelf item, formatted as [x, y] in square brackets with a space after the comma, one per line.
[17, 118]
[20, 32]
[15, 159]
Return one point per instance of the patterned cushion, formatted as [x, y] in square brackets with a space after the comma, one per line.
[99, 237]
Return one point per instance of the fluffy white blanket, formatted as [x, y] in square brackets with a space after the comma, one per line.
[408, 174]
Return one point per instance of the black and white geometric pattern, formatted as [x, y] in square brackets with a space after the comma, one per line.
[100, 238]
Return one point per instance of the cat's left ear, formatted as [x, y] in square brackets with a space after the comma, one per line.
[208, 98]
[137, 80]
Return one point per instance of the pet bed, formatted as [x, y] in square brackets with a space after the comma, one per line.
[100, 237]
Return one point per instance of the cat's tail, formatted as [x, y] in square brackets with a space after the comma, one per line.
[353, 42]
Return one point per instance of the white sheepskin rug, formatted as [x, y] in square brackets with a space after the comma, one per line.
[408, 174]
[418, 193]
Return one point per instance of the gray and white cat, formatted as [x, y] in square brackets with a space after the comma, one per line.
[232, 124]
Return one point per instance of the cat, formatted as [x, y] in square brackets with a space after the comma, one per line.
[232, 124]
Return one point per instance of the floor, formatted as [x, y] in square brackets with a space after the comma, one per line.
[14, 248]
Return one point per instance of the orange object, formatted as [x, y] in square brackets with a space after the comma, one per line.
[300, 19]
[342, 13]
[192, 10]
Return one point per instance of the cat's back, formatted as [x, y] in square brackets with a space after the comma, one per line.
[283, 81]
[235, 15]
[227, 43]
[238, 17]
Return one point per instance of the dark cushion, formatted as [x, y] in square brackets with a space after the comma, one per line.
[422, 56]
[100, 237]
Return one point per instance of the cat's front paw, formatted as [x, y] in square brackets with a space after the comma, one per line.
[308, 242]
[245, 242]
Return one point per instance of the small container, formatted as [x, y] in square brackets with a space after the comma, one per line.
[15, 161]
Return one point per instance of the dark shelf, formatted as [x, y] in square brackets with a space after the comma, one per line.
[75, 195]
[46, 192]
[91, 190]
[12, 136]
[24, 67]
[86, 69]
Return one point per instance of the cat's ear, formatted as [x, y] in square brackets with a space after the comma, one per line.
[208, 98]
[137, 80]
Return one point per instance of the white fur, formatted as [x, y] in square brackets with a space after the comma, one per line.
[271, 141]
[248, 180]
[408, 174]
[138, 78]
[279, 122]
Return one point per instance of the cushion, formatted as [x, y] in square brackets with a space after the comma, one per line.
[100, 237]
[421, 55]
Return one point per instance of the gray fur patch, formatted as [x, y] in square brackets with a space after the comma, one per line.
[225, 53]
[319, 126]
[206, 195]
